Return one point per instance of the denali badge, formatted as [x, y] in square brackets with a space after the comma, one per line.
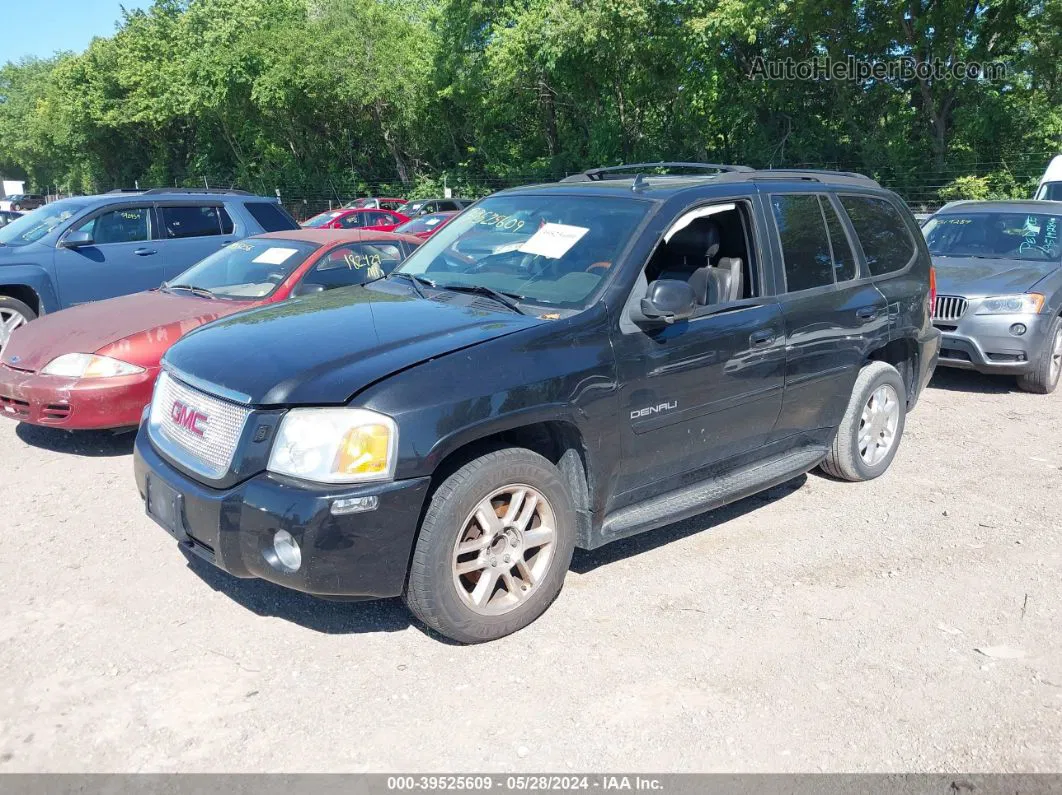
[187, 417]
[649, 411]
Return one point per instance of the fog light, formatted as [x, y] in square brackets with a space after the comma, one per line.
[1018, 329]
[354, 505]
[287, 550]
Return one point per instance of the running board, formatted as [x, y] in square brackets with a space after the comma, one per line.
[707, 495]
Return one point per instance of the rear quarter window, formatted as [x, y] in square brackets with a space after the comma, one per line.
[271, 217]
[887, 244]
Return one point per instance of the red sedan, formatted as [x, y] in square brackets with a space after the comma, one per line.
[93, 366]
[376, 220]
[424, 226]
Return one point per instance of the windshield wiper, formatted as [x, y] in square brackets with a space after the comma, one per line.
[200, 291]
[416, 280]
[503, 298]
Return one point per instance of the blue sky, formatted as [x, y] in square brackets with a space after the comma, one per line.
[41, 27]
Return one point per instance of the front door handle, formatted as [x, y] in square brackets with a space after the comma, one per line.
[765, 337]
[867, 313]
[144, 252]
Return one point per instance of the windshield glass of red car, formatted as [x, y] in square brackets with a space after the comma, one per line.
[249, 269]
[554, 250]
[322, 220]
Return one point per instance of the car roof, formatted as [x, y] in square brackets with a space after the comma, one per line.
[1002, 205]
[325, 237]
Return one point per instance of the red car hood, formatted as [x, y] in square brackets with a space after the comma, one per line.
[136, 328]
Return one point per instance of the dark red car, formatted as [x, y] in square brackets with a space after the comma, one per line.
[94, 365]
[376, 220]
[424, 226]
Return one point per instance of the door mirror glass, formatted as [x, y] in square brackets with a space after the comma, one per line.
[308, 289]
[78, 240]
[668, 301]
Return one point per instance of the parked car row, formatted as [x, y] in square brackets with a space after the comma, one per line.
[557, 366]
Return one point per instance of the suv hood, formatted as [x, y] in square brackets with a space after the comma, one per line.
[322, 349]
[972, 276]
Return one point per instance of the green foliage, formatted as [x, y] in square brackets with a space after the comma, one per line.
[327, 99]
[966, 188]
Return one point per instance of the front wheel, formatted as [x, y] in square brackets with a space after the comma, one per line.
[1047, 363]
[870, 432]
[13, 314]
[494, 547]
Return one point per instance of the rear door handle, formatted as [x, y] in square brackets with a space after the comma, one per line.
[761, 338]
[867, 313]
[144, 252]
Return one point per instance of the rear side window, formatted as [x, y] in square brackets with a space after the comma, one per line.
[805, 241]
[192, 221]
[887, 245]
[271, 217]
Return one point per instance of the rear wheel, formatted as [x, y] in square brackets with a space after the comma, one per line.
[870, 432]
[1047, 366]
[13, 314]
[494, 547]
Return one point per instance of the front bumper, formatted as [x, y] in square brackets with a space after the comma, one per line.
[74, 403]
[361, 555]
[986, 344]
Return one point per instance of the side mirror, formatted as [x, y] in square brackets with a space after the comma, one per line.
[78, 240]
[668, 301]
[307, 288]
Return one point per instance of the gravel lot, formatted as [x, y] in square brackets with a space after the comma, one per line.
[822, 626]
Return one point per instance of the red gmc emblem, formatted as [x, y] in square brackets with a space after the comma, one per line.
[187, 417]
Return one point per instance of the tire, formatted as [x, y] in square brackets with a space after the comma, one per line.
[1043, 377]
[17, 208]
[13, 314]
[441, 596]
[845, 459]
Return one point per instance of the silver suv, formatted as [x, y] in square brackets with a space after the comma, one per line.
[999, 288]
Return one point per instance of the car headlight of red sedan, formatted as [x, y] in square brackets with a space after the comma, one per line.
[89, 365]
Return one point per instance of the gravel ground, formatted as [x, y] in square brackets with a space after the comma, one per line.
[822, 626]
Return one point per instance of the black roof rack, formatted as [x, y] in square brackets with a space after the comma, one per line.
[810, 174]
[619, 172]
[190, 191]
[221, 191]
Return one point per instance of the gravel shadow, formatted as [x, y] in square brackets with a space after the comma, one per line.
[954, 380]
[320, 615]
[90, 444]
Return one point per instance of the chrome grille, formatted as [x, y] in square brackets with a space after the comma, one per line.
[196, 429]
[949, 307]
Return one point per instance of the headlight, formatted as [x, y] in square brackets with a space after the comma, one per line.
[89, 365]
[1024, 304]
[335, 445]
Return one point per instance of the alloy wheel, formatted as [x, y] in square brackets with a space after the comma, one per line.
[504, 550]
[1056, 358]
[878, 423]
[9, 321]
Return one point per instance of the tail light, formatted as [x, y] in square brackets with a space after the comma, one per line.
[932, 289]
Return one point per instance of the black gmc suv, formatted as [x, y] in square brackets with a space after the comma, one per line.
[561, 366]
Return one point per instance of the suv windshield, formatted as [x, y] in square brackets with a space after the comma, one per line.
[248, 269]
[996, 235]
[553, 250]
[37, 224]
